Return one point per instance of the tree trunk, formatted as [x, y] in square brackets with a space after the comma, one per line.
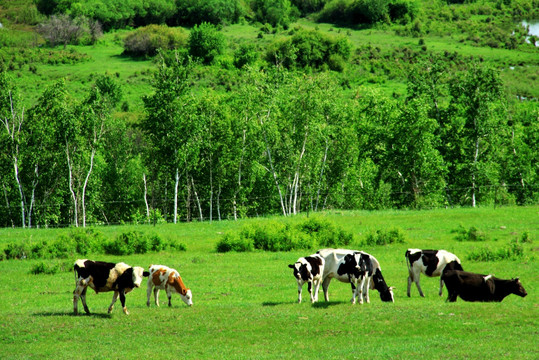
[321, 174]
[235, 207]
[476, 156]
[16, 169]
[73, 195]
[83, 200]
[176, 184]
[197, 200]
[146, 198]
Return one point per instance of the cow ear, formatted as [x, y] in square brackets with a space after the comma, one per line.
[517, 278]
[146, 274]
[290, 266]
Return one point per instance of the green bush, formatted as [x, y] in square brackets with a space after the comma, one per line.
[278, 236]
[206, 42]
[246, 54]
[310, 48]
[148, 39]
[512, 251]
[49, 268]
[472, 234]
[384, 237]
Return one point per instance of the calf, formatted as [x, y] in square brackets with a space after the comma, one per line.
[165, 278]
[431, 263]
[350, 269]
[103, 277]
[476, 287]
[309, 270]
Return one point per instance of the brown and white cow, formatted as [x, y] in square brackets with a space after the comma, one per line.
[476, 287]
[165, 278]
[104, 277]
[431, 263]
[309, 270]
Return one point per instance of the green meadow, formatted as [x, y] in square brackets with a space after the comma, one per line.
[245, 303]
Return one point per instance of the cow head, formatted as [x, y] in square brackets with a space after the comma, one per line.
[386, 293]
[138, 274]
[187, 298]
[302, 270]
[517, 288]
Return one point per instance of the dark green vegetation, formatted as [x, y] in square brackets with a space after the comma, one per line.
[245, 303]
[258, 108]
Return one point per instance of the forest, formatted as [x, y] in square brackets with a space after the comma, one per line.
[253, 108]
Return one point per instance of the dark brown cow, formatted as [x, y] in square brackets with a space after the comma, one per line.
[477, 287]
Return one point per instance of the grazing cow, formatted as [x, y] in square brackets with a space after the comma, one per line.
[165, 278]
[309, 270]
[476, 287]
[103, 277]
[356, 270]
[431, 263]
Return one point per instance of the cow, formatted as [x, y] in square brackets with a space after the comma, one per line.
[431, 263]
[309, 270]
[350, 269]
[103, 277]
[476, 287]
[168, 279]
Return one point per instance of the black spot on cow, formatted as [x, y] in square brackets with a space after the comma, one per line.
[412, 257]
[430, 260]
[125, 281]
[348, 266]
[453, 265]
[315, 263]
[99, 270]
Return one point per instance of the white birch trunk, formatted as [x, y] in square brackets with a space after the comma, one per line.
[71, 190]
[476, 156]
[197, 200]
[146, 198]
[83, 200]
[176, 184]
[235, 207]
[321, 174]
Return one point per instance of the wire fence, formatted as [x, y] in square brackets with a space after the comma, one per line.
[328, 201]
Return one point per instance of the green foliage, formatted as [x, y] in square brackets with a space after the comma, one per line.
[384, 237]
[246, 54]
[310, 48]
[206, 42]
[277, 236]
[192, 12]
[145, 41]
[51, 268]
[512, 251]
[368, 11]
[136, 242]
[472, 234]
[274, 12]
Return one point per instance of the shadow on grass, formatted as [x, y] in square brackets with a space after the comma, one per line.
[277, 303]
[72, 314]
[327, 304]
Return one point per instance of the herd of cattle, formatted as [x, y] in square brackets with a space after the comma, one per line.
[358, 268]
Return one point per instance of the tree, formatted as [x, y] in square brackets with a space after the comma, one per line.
[475, 113]
[206, 42]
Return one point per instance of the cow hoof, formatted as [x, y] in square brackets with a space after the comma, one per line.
[126, 312]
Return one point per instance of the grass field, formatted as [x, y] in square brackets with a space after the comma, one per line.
[245, 303]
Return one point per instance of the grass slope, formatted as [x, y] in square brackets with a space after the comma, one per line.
[245, 303]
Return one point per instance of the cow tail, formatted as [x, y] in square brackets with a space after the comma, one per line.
[406, 255]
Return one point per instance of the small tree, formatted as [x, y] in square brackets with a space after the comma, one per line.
[62, 29]
[206, 42]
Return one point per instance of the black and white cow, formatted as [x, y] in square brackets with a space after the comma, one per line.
[103, 277]
[431, 263]
[308, 270]
[358, 268]
[476, 287]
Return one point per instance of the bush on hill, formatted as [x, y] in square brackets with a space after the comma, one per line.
[147, 40]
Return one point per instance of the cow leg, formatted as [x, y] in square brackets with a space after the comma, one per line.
[300, 289]
[156, 296]
[79, 290]
[452, 296]
[416, 280]
[83, 298]
[310, 290]
[169, 296]
[354, 292]
[325, 286]
[441, 286]
[149, 293]
[361, 289]
[122, 299]
[316, 289]
[366, 287]
[409, 284]
[114, 298]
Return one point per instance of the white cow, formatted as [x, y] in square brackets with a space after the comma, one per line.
[351, 266]
[431, 263]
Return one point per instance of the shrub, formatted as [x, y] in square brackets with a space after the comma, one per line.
[472, 234]
[133, 242]
[512, 251]
[50, 268]
[246, 54]
[276, 236]
[16, 251]
[310, 48]
[206, 42]
[382, 237]
[148, 39]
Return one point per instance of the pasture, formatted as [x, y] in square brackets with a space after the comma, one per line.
[245, 303]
